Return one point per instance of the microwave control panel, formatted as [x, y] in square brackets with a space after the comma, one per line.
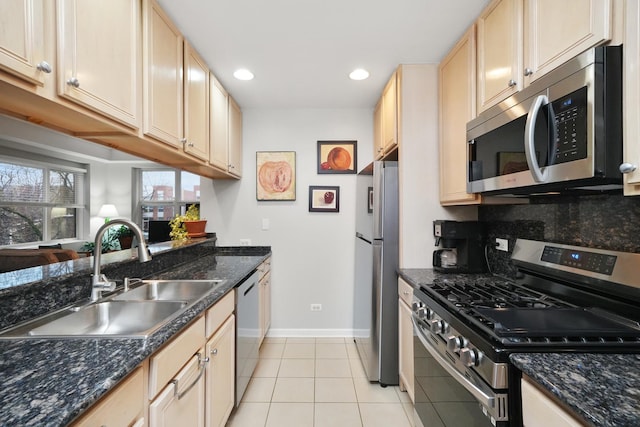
[570, 116]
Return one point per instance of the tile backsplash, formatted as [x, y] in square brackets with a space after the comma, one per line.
[602, 221]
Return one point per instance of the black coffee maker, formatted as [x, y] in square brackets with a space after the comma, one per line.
[461, 246]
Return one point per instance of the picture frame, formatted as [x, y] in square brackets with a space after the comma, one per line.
[324, 198]
[275, 175]
[337, 157]
[370, 200]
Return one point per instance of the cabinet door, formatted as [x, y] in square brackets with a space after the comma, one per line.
[457, 106]
[235, 138]
[540, 411]
[220, 376]
[265, 305]
[123, 406]
[162, 69]
[98, 56]
[182, 402]
[631, 115]
[556, 31]
[22, 40]
[196, 104]
[219, 126]
[390, 114]
[378, 133]
[499, 52]
[405, 346]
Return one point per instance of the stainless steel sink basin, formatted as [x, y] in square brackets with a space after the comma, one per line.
[169, 290]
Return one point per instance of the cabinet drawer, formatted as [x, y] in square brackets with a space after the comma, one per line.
[405, 292]
[217, 314]
[264, 268]
[166, 362]
[121, 407]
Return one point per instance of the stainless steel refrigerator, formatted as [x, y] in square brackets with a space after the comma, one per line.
[376, 281]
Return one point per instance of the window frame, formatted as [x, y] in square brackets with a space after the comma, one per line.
[48, 164]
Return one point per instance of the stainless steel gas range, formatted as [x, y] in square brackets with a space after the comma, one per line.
[565, 298]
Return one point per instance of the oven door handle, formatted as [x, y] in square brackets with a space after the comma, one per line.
[481, 395]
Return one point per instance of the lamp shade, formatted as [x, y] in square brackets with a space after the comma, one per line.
[108, 211]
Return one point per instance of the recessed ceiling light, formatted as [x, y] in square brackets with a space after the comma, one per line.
[359, 74]
[243, 74]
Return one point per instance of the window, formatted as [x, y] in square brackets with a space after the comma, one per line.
[162, 193]
[40, 201]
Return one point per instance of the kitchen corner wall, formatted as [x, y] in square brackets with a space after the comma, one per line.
[313, 253]
[601, 221]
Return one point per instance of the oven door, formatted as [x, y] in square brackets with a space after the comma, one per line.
[446, 396]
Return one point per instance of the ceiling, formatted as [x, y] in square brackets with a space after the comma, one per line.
[301, 51]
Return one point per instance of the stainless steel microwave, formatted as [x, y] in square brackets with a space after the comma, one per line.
[562, 132]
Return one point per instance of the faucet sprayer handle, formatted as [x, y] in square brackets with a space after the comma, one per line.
[105, 284]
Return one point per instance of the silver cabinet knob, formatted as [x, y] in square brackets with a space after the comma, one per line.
[73, 82]
[214, 351]
[512, 83]
[190, 144]
[183, 140]
[44, 67]
[528, 71]
[627, 168]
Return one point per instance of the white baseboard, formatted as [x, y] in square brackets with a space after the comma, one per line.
[310, 333]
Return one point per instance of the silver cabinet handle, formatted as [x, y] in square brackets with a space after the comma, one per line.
[190, 144]
[214, 351]
[627, 167]
[73, 82]
[44, 67]
[529, 140]
[183, 140]
[528, 71]
[512, 83]
[202, 362]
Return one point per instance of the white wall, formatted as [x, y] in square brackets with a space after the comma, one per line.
[313, 253]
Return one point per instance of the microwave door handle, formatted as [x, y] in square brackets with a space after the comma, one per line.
[529, 140]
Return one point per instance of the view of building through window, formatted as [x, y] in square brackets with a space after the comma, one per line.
[165, 193]
[38, 203]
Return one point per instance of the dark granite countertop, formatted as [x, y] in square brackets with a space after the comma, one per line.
[603, 389]
[49, 382]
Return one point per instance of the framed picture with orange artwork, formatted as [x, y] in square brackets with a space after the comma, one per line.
[339, 157]
[275, 175]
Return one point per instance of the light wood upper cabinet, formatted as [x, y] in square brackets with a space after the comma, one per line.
[390, 114]
[499, 52]
[99, 56]
[457, 106]
[196, 104]
[235, 138]
[556, 31]
[219, 126]
[22, 40]
[163, 57]
[378, 143]
[631, 109]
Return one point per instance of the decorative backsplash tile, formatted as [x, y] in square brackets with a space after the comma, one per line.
[602, 221]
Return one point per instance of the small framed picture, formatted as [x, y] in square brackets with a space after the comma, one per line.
[370, 200]
[324, 199]
[337, 157]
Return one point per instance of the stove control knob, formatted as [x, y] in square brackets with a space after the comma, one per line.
[436, 326]
[470, 357]
[455, 343]
[422, 312]
[430, 314]
[417, 305]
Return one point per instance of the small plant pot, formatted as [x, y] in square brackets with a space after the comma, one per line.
[125, 242]
[196, 228]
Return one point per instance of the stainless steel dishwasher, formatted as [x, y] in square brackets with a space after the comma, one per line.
[247, 332]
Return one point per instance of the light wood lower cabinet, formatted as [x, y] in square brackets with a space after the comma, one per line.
[182, 401]
[123, 406]
[538, 410]
[265, 297]
[220, 376]
[405, 336]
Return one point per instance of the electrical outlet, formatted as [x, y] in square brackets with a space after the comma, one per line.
[502, 245]
[245, 242]
[316, 307]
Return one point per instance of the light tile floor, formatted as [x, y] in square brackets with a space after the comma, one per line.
[317, 382]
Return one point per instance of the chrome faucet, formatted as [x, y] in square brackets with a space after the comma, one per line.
[100, 282]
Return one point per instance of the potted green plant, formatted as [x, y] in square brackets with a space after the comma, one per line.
[187, 225]
[125, 236]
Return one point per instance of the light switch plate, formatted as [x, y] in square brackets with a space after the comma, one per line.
[265, 224]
